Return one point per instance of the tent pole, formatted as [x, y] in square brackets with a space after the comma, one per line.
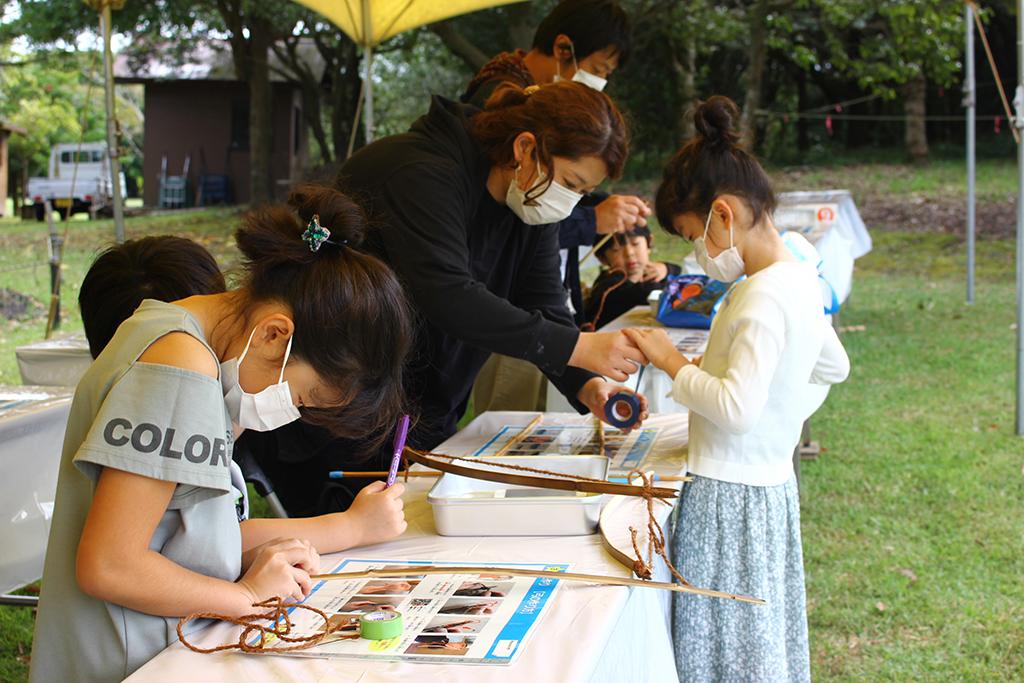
[368, 98]
[368, 39]
[112, 153]
[970, 102]
[1018, 102]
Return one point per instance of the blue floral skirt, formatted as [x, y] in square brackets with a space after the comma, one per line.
[740, 539]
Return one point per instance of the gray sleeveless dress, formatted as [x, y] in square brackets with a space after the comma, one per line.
[155, 421]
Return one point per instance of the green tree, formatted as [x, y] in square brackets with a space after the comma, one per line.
[56, 96]
[892, 49]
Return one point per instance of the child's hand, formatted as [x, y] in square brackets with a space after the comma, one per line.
[655, 271]
[596, 392]
[377, 513]
[658, 347]
[280, 568]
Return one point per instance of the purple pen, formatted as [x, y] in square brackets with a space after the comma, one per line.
[400, 434]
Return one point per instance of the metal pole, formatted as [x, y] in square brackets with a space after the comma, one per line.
[368, 82]
[112, 152]
[1018, 102]
[368, 102]
[970, 103]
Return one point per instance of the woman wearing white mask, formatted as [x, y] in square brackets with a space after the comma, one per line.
[463, 205]
[584, 41]
[145, 528]
[738, 525]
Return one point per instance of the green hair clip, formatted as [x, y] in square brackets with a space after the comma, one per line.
[315, 234]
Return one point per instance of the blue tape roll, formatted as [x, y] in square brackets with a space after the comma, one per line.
[622, 410]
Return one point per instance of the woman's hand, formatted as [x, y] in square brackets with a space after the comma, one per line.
[659, 349]
[377, 513]
[611, 354]
[596, 392]
[621, 213]
[280, 568]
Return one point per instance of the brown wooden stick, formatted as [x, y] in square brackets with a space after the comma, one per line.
[519, 437]
[548, 481]
[435, 474]
[536, 573]
[597, 246]
[383, 473]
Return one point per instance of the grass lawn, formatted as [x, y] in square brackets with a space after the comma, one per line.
[913, 517]
[24, 266]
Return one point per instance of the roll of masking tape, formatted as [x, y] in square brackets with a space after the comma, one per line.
[380, 625]
[622, 410]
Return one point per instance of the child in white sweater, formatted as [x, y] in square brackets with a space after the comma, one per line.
[738, 525]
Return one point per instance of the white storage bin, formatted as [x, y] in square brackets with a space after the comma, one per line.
[464, 506]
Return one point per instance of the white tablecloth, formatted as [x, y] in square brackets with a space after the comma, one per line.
[32, 422]
[58, 362]
[590, 633]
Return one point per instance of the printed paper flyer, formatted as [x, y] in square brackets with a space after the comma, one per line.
[467, 618]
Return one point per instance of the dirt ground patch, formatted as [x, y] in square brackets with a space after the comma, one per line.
[920, 213]
[17, 306]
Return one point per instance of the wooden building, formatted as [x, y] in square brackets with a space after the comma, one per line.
[199, 111]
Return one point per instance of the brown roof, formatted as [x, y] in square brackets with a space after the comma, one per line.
[205, 60]
[4, 125]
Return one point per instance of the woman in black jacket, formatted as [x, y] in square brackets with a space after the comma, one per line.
[463, 208]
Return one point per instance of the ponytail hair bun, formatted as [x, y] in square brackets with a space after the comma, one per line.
[509, 95]
[353, 323]
[711, 164]
[715, 122]
[568, 119]
[342, 216]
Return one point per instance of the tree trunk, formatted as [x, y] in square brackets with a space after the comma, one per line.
[521, 26]
[260, 131]
[686, 70]
[17, 192]
[803, 141]
[460, 45]
[756, 55]
[344, 96]
[916, 138]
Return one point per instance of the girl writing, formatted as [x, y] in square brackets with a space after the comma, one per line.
[145, 527]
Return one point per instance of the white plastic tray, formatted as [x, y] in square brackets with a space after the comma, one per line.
[464, 506]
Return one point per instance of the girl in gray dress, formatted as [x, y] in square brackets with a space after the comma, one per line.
[145, 528]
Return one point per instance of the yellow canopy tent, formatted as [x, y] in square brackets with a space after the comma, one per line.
[371, 22]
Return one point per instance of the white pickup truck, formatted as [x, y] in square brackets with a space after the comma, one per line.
[91, 192]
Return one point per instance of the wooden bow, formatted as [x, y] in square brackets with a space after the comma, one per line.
[549, 480]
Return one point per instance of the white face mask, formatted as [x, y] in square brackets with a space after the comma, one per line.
[727, 266]
[585, 77]
[551, 206]
[261, 412]
[590, 80]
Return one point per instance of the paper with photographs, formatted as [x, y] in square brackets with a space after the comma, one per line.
[457, 618]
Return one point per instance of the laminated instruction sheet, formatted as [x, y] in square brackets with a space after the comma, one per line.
[625, 451]
[454, 618]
